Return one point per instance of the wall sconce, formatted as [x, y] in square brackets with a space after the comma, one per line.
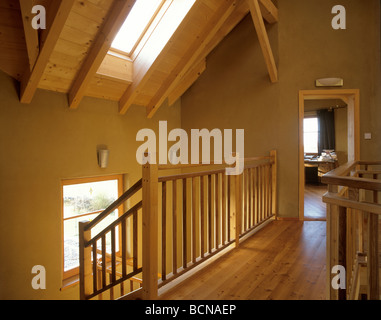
[330, 82]
[103, 158]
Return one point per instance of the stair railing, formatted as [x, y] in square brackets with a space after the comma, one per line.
[197, 214]
[96, 263]
[353, 211]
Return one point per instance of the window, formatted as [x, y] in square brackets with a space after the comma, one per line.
[83, 200]
[150, 22]
[138, 21]
[311, 135]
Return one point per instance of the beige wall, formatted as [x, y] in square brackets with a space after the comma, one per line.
[235, 91]
[41, 144]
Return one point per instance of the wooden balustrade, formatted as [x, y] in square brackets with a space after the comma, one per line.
[196, 214]
[353, 210]
[203, 213]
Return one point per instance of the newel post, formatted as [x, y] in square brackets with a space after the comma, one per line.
[150, 230]
[85, 269]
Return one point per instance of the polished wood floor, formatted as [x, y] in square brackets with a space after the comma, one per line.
[314, 207]
[283, 261]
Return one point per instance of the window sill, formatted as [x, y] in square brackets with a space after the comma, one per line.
[70, 282]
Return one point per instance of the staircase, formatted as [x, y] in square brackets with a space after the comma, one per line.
[173, 224]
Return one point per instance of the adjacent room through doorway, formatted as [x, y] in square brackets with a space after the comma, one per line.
[325, 140]
[328, 138]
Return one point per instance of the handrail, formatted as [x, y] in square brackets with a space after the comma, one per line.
[357, 205]
[128, 194]
[127, 214]
[211, 163]
[339, 176]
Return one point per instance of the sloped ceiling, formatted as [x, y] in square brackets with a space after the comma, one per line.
[72, 55]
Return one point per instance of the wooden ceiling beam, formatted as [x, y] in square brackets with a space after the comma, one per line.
[191, 76]
[198, 44]
[98, 51]
[263, 39]
[31, 34]
[269, 11]
[150, 57]
[60, 10]
[240, 11]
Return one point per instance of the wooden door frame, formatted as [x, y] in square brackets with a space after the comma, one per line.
[349, 96]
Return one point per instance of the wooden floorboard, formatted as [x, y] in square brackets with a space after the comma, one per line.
[314, 207]
[283, 261]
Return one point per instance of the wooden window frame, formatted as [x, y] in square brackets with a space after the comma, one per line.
[65, 182]
[147, 31]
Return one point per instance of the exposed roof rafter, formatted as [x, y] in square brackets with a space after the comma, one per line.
[269, 11]
[186, 82]
[31, 34]
[263, 38]
[148, 59]
[60, 10]
[190, 57]
[99, 50]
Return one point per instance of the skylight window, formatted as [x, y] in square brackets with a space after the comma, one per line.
[137, 22]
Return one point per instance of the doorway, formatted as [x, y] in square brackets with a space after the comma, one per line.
[351, 98]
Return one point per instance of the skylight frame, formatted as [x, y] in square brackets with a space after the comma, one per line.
[151, 25]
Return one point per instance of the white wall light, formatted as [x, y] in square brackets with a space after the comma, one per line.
[103, 158]
[330, 82]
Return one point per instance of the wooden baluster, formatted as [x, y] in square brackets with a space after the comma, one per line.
[342, 247]
[244, 195]
[257, 202]
[262, 193]
[375, 192]
[372, 258]
[174, 226]
[331, 244]
[104, 262]
[274, 209]
[223, 218]
[202, 216]
[85, 269]
[238, 207]
[113, 256]
[194, 223]
[185, 223]
[250, 177]
[269, 191]
[229, 206]
[164, 231]
[124, 248]
[209, 213]
[95, 273]
[217, 209]
[135, 241]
